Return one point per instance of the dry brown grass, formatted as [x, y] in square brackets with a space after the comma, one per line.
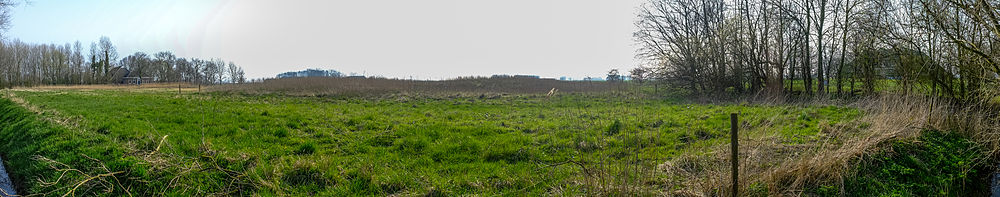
[318, 86]
[186, 87]
[886, 118]
[779, 168]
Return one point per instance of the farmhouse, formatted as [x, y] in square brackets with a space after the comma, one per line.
[121, 75]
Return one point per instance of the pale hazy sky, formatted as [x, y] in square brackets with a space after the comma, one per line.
[427, 39]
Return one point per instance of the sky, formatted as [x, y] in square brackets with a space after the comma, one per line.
[425, 39]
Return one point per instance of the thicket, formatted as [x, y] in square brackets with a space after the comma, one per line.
[824, 47]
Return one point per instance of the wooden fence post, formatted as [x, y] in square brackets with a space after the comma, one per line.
[735, 144]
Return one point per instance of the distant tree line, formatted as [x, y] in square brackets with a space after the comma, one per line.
[505, 76]
[25, 64]
[311, 73]
[815, 47]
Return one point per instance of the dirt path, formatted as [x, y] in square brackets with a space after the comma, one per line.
[6, 187]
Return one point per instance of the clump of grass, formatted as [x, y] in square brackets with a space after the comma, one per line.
[434, 192]
[411, 146]
[306, 174]
[306, 148]
[382, 140]
[614, 128]
[281, 133]
[292, 125]
[104, 129]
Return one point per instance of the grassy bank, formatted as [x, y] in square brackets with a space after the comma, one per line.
[38, 153]
[201, 144]
[934, 164]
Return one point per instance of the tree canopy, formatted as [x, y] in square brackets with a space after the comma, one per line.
[816, 47]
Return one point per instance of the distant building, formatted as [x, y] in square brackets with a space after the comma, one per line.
[117, 75]
[593, 79]
[122, 75]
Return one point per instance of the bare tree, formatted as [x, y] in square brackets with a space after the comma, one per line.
[78, 62]
[639, 74]
[107, 54]
[235, 73]
[165, 66]
[946, 47]
[5, 6]
[614, 76]
[685, 37]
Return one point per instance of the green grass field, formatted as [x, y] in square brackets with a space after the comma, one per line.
[163, 143]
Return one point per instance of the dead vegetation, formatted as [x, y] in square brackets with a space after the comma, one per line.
[772, 166]
[187, 87]
[327, 86]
